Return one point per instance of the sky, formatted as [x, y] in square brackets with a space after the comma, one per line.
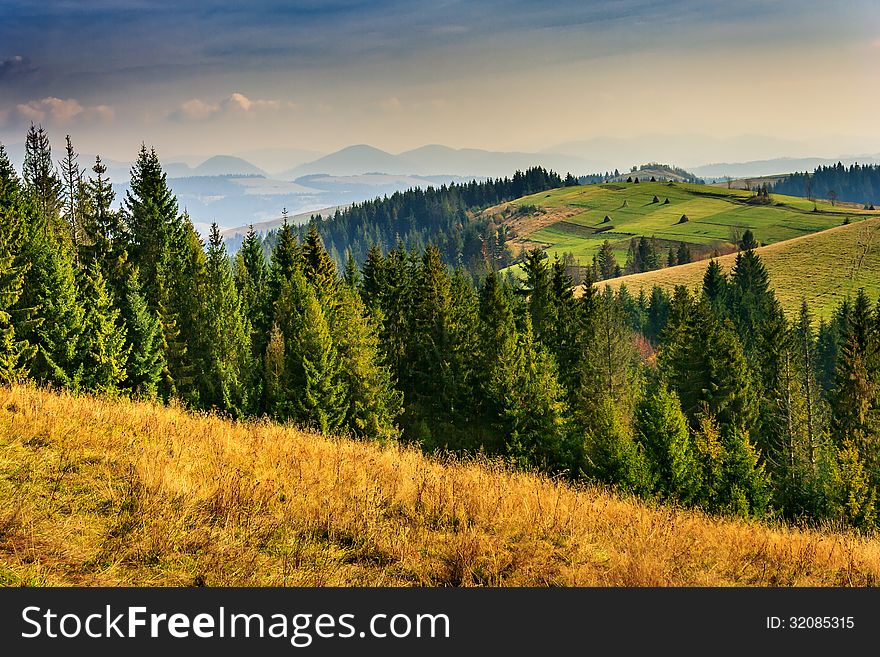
[200, 78]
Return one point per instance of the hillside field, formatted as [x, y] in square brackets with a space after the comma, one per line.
[822, 268]
[102, 492]
[572, 219]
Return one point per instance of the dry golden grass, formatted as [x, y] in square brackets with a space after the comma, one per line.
[102, 492]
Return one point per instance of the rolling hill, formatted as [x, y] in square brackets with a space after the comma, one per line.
[709, 219]
[100, 492]
[822, 268]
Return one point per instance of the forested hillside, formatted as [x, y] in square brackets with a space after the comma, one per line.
[445, 217]
[713, 400]
[855, 184]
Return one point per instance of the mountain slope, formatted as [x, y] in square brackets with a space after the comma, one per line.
[707, 219]
[822, 268]
[353, 160]
[101, 492]
[223, 165]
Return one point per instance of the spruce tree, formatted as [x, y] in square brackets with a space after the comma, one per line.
[72, 195]
[318, 266]
[702, 359]
[309, 387]
[534, 411]
[50, 293]
[607, 262]
[662, 429]
[286, 258]
[538, 291]
[856, 380]
[40, 179]
[428, 381]
[372, 279]
[102, 232]
[351, 276]
[321, 402]
[225, 367]
[151, 221]
[611, 456]
[715, 287]
[747, 490]
[187, 301]
[144, 342]
[102, 352]
[609, 361]
[251, 278]
[15, 352]
[372, 404]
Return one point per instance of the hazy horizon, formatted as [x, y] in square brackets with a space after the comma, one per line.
[211, 78]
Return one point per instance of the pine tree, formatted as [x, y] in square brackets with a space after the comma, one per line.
[102, 353]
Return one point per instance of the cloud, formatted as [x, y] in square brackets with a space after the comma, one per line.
[236, 103]
[62, 111]
[14, 66]
[391, 104]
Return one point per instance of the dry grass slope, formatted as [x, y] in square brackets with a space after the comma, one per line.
[822, 268]
[102, 492]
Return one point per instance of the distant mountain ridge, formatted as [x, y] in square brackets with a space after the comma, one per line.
[779, 165]
[434, 160]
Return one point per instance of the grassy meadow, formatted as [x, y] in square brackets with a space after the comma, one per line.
[101, 492]
[576, 218]
[822, 268]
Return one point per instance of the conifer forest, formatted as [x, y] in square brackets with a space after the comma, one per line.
[390, 321]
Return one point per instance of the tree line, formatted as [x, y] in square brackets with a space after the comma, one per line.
[446, 217]
[855, 183]
[713, 399]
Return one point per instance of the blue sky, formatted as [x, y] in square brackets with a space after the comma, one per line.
[207, 77]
